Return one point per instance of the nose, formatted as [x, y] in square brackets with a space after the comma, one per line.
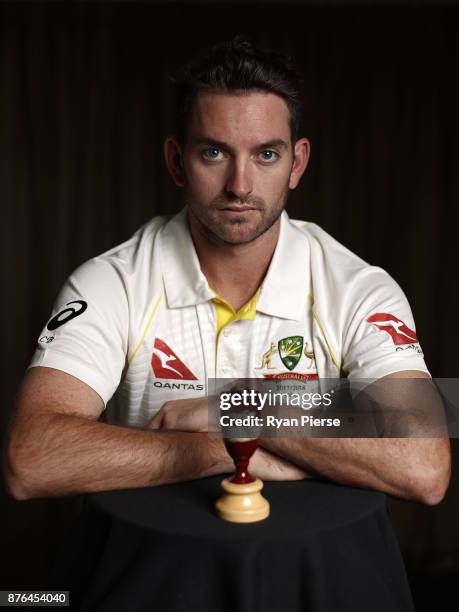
[239, 182]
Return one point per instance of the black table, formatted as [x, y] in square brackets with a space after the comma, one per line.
[325, 548]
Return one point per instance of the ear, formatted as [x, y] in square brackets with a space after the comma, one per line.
[173, 159]
[300, 161]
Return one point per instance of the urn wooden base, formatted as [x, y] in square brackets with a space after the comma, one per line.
[242, 503]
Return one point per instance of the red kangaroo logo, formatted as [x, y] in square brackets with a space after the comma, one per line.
[396, 328]
[166, 364]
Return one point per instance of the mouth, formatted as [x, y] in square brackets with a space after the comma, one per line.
[238, 209]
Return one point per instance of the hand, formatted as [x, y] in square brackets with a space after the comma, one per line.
[182, 415]
[267, 466]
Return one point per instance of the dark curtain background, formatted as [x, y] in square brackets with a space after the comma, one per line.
[84, 105]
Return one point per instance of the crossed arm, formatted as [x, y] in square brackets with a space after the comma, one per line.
[56, 446]
[411, 467]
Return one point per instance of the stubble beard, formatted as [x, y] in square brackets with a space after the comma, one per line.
[221, 230]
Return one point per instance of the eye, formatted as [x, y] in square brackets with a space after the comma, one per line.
[212, 153]
[268, 155]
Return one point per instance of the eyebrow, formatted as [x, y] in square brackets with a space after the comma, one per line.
[275, 142]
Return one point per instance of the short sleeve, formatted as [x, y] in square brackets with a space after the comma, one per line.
[380, 337]
[87, 335]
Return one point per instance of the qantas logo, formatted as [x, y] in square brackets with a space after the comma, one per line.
[396, 328]
[166, 364]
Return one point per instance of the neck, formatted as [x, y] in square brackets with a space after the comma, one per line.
[234, 271]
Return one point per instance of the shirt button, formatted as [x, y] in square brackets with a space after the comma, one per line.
[226, 333]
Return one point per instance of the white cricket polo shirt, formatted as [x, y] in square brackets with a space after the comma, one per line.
[138, 323]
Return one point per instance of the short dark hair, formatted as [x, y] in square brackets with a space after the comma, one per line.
[237, 65]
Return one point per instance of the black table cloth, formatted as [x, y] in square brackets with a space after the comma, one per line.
[325, 548]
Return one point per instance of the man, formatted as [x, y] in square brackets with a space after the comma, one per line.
[217, 291]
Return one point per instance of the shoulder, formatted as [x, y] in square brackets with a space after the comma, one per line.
[327, 251]
[362, 309]
[342, 271]
[116, 264]
[114, 278]
[135, 251]
[346, 289]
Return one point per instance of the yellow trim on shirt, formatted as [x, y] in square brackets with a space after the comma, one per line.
[150, 319]
[316, 317]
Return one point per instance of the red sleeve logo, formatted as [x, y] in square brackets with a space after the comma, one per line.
[396, 328]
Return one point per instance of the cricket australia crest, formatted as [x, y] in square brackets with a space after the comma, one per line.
[290, 350]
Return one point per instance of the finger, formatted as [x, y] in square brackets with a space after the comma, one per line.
[156, 421]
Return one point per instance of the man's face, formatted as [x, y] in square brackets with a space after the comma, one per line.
[237, 164]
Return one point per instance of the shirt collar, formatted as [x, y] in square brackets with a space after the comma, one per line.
[184, 281]
[284, 290]
[286, 286]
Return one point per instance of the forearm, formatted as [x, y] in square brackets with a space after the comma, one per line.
[268, 466]
[412, 469]
[65, 455]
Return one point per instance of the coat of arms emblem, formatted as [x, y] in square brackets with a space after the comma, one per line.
[290, 350]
